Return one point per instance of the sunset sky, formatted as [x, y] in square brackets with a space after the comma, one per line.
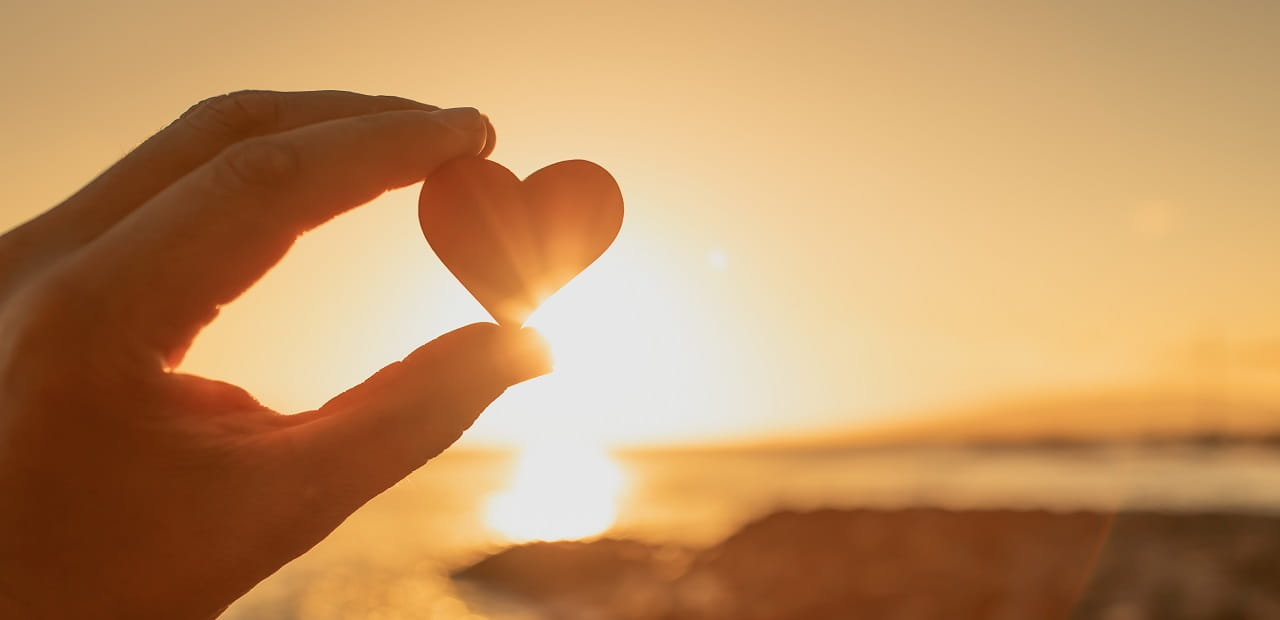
[836, 211]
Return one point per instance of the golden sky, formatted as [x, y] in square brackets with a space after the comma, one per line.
[835, 210]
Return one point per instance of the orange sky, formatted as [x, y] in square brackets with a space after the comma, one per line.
[835, 212]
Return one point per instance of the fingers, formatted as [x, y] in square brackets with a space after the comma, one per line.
[371, 436]
[200, 134]
[163, 271]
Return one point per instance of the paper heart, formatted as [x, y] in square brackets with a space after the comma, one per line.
[513, 244]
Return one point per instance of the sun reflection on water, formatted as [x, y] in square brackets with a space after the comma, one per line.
[560, 491]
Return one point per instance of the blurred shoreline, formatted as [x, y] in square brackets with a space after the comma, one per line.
[983, 531]
[906, 563]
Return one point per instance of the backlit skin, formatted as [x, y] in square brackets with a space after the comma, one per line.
[130, 490]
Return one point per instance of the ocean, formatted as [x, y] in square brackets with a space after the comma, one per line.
[391, 560]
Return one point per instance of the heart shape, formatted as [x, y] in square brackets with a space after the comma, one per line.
[513, 244]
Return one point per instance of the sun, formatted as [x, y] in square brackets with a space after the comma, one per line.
[636, 354]
[560, 490]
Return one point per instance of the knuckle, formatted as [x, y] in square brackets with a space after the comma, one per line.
[55, 345]
[53, 307]
[53, 295]
[255, 163]
[240, 113]
[41, 332]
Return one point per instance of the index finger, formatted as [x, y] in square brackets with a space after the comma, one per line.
[197, 136]
[162, 273]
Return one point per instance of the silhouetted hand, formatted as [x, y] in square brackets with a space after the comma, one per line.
[128, 490]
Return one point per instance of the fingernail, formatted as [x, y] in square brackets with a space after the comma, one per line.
[465, 120]
[490, 137]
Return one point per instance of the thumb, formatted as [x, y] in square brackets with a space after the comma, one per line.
[369, 437]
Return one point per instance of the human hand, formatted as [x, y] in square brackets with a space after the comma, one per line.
[129, 490]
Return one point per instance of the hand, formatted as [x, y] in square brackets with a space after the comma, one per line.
[129, 490]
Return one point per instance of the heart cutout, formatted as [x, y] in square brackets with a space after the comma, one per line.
[513, 244]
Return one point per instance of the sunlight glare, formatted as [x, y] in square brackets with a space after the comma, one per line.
[560, 491]
[634, 345]
[718, 260]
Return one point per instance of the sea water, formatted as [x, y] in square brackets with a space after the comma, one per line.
[392, 558]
